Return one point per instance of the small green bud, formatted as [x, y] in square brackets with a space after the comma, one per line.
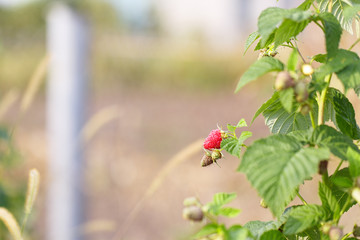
[335, 233]
[284, 81]
[307, 69]
[301, 91]
[191, 201]
[305, 109]
[263, 203]
[193, 213]
[215, 155]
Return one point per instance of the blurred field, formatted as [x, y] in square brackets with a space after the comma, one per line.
[162, 97]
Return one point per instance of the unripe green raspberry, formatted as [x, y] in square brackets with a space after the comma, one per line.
[193, 213]
[307, 69]
[305, 109]
[283, 81]
[335, 233]
[301, 92]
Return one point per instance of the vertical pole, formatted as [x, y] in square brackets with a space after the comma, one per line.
[67, 39]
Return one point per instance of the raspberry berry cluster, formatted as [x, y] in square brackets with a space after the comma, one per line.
[212, 147]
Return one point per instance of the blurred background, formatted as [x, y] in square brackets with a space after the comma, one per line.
[161, 75]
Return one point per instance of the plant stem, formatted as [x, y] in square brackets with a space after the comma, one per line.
[338, 167]
[325, 178]
[353, 45]
[24, 223]
[316, 9]
[348, 200]
[301, 198]
[312, 119]
[322, 28]
[322, 99]
[297, 48]
[346, 235]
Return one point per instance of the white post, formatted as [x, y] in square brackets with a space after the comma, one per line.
[67, 39]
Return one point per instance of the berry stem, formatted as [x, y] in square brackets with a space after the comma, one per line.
[354, 44]
[301, 198]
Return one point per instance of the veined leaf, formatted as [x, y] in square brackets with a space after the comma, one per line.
[344, 114]
[207, 230]
[336, 142]
[273, 235]
[338, 8]
[329, 200]
[289, 29]
[293, 60]
[287, 98]
[228, 212]
[271, 17]
[333, 32]
[233, 145]
[342, 178]
[257, 228]
[277, 165]
[304, 217]
[259, 68]
[237, 232]
[336, 63]
[250, 40]
[350, 75]
[354, 162]
[266, 105]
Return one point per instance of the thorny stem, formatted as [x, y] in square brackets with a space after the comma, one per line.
[354, 44]
[322, 99]
[301, 198]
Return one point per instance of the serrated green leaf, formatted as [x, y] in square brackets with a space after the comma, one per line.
[333, 32]
[273, 235]
[280, 121]
[220, 199]
[287, 30]
[336, 142]
[274, 98]
[329, 201]
[354, 162]
[241, 123]
[342, 178]
[277, 165]
[303, 136]
[341, 59]
[250, 40]
[344, 114]
[233, 145]
[305, 5]
[207, 230]
[257, 228]
[321, 58]
[293, 60]
[271, 17]
[304, 217]
[228, 212]
[237, 232]
[286, 98]
[350, 75]
[260, 67]
[265, 42]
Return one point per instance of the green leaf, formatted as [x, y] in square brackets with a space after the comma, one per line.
[357, 90]
[281, 121]
[220, 199]
[266, 105]
[344, 114]
[338, 10]
[329, 201]
[233, 145]
[304, 217]
[287, 98]
[321, 58]
[237, 232]
[293, 60]
[271, 17]
[336, 142]
[241, 123]
[350, 75]
[342, 178]
[260, 67]
[273, 235]
[333, 32]
[257, 228]
[277, 165]
[354, 162]
[250, 40]
[265, 42]
[289, 29]
[336, 63]
[228, 212]
[207, 230]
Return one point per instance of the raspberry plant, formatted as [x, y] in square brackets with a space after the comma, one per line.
[311, 123]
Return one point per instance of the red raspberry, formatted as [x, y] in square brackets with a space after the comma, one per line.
[213, 141]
